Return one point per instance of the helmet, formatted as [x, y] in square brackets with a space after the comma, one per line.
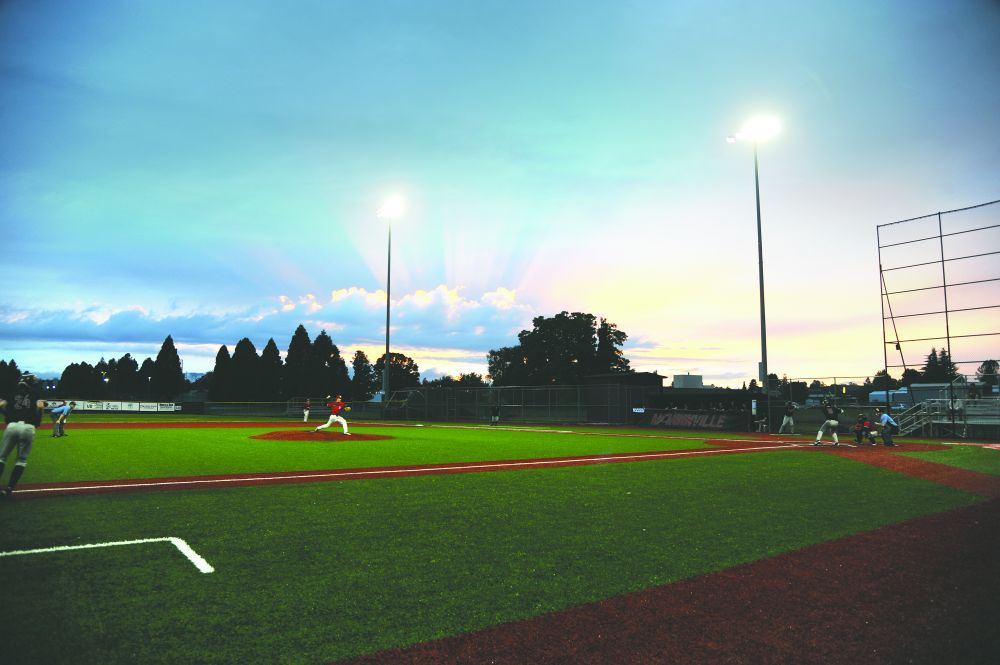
[27, 379]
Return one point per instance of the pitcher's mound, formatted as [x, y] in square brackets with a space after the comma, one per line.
[309, 435]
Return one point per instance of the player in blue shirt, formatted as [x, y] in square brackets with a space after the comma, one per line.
[887, 424]
[59, 415]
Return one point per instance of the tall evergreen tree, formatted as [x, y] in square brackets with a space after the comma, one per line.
[220, 390]
[245, 372]
[9, 375]
[168, 377]
[949, 372]
[363, 382]
[295, 377]
[932, 368]
[146, 378]
[329, 369]
[126, 378]
[102, 371]
[270, 372]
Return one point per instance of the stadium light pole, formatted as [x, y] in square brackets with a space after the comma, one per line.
[758, 130]
[391, 209]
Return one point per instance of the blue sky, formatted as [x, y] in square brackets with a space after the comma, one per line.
[213, 170]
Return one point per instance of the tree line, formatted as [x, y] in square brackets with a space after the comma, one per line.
[562, 349]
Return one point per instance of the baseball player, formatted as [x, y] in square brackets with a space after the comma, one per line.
[863, 430]
[336, 406]
[305, 410]
[789, 419]
[887, 424]
[831, 414]
[59, 415]
[23, 414]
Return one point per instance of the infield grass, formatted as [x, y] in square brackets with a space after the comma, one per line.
[315, 572]
[970, 458]
[103, 454]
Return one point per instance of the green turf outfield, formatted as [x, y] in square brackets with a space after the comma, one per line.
[315, 572]
[103, 454]
[970, 458]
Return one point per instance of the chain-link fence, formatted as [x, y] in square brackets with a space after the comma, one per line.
[610, 404]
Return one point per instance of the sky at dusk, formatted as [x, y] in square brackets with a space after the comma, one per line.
[213, 171]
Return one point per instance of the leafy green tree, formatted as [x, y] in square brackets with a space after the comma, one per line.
[563, 349]
[403, 371]
[298, 365]
[883, 381]
[220, 389]
[270, 372]
[910, 376]
[245, 372]
[608, 358]
[364, 382]
[470, 380]
[507, 366]
[167, 377]
[986, 374]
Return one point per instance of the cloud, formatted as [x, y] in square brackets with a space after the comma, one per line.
[465, 327]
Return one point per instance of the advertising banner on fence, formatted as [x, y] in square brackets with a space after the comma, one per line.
[152, 407]
[684, 419]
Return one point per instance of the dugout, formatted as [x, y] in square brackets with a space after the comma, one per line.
[700, 408]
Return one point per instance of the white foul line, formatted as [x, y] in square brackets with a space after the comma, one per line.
[410, 470]
[185, 549]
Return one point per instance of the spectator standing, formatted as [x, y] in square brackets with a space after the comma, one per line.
[495, 418]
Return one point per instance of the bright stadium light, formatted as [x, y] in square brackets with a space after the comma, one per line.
[757, 130]
[392, 208]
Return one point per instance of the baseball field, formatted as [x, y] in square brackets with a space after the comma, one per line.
[185, 541]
